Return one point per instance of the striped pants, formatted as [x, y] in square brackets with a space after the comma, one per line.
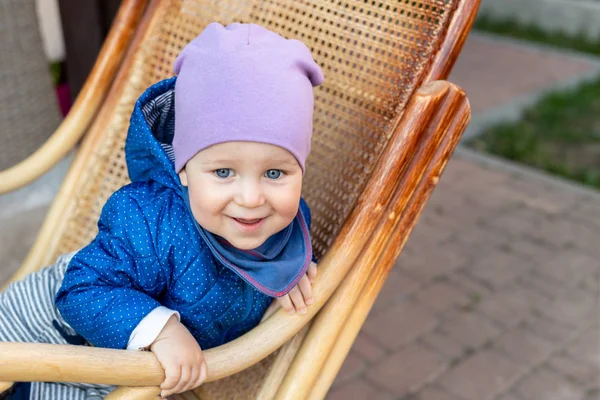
[28, 314]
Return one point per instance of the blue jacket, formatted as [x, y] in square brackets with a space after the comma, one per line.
[150, 252]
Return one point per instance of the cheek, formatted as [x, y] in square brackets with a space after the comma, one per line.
[287, 201]
[206, 201]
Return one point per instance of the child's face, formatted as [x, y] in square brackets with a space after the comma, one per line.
[243, 191]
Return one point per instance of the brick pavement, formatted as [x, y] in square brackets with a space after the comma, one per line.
[507, 306]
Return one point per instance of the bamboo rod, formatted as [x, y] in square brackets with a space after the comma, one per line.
[456, 34]
[29, 362]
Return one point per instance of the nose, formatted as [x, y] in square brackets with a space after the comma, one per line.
[249, 194]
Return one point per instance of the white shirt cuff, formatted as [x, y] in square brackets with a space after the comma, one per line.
[149, 328]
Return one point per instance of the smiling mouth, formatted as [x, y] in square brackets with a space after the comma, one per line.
[249, 225]
[248, 221]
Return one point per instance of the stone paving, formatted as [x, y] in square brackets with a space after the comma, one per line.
[496, 294]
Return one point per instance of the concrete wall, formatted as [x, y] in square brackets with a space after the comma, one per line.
[570, 16]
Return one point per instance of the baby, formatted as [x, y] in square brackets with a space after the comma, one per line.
[211, 229]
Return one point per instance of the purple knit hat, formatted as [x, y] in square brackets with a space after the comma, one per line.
[243, 82]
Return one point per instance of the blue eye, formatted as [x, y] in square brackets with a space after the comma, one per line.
[223, 172]
[273, 174]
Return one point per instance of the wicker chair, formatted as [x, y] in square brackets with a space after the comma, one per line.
[34, 137]
[385, 125]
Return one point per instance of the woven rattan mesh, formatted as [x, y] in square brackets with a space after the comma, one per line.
[29, 111]
[373, 54]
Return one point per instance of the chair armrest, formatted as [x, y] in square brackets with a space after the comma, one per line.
[86, 105]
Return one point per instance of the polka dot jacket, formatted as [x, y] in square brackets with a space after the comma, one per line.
[148, 251]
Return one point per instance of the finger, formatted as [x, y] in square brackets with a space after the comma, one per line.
[173, 380]
[312, 272]
[298, 300]
[306, 290]
[172, 375]
[186, 373]
[286, 304]
[195, 373]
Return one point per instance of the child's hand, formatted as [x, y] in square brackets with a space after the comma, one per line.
[301, 295]
[181, 357]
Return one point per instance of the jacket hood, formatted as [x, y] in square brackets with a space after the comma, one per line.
[148, 147]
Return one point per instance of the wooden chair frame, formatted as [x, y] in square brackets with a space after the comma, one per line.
[350, 275]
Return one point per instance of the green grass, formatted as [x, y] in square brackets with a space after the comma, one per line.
[534, 34]
[559, 134]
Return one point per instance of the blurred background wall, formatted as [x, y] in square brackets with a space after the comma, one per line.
[73, 32]
[573, 17]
